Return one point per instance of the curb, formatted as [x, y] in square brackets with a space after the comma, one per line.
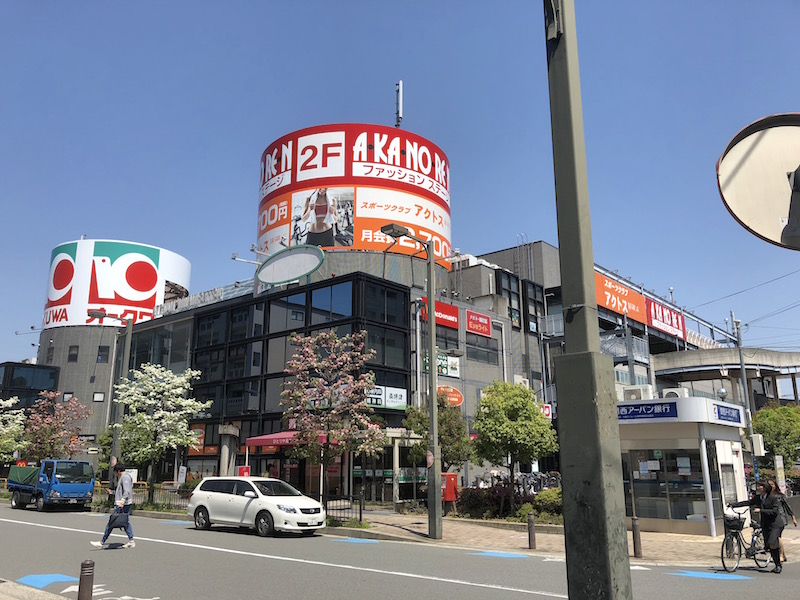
[10, 590]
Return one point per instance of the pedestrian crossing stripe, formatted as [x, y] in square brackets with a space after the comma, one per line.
[710, 575]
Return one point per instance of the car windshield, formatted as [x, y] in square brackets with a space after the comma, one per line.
[71, 471]
[275, 487]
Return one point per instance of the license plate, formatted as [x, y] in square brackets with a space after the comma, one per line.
[73, 501]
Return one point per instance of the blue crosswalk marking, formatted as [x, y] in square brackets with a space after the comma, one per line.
[501, 554]
[42, 580]
[709, 575]
[357, 541]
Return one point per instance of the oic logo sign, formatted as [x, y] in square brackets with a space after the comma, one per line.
[123, 279]
[759, 179]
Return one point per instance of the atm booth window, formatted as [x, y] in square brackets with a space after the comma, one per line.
[668, 484]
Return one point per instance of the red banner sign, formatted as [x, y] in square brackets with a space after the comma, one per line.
[665, 319]
[446, 314]
[479, 324]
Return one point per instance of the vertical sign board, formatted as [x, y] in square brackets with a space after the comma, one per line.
[335, 186]
[124, 279]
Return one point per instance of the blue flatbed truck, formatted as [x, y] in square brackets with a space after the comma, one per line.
[52, 483]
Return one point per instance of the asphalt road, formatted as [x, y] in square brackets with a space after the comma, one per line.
[172, 561]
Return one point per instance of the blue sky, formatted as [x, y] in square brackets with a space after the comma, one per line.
[146, 121]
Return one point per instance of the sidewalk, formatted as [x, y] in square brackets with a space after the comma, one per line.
[657, 548]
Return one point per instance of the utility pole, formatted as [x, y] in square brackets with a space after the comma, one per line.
[749, 404]
[598, 567]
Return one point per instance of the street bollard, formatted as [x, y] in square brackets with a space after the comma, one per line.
[86, 583]
[531, 531]
[637, 538]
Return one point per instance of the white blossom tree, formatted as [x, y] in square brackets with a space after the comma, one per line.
[326, 398]
[12, 427]
[159, 407]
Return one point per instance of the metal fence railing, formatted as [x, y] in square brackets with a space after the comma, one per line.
[345, 508]
[163, 498]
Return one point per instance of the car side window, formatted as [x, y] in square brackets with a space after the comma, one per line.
[226, 486]
[242, 487]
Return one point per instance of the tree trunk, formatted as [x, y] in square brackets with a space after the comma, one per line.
[151, 492]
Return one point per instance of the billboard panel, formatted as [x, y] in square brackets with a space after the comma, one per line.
[124, 279]
[335, 186]
[619, 298]
[665, 319]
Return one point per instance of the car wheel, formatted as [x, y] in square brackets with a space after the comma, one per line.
[40, 505]
[201, 520]
[264, 524]
[16, 500]
[307, 532]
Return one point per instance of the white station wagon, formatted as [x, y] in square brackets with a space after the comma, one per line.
[264, 504]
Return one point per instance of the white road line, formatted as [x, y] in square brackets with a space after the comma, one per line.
[308, 562]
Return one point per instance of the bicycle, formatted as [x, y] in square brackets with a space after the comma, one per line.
[734, 542]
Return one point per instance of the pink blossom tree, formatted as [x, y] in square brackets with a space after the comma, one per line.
[51, 430]
[325, 401]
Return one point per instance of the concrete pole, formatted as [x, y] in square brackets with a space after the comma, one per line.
[749, 403]
[116, 408]
[435, 471]
[598, 567]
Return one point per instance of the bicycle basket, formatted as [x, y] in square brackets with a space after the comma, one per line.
[734, 523]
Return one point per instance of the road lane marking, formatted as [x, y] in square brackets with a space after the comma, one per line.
[495, 554]
[308, 562]
[707, 575]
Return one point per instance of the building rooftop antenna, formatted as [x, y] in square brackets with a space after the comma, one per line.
[398, 114]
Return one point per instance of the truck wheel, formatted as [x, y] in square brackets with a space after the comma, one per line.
[40, 505]
[16, 500]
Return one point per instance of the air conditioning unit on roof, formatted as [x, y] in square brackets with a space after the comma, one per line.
[680, 392]
[637, 392]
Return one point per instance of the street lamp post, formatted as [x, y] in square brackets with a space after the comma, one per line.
[435, 472]
[116, 413]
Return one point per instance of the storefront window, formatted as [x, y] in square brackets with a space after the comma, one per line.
[649, 484]
[686, 490]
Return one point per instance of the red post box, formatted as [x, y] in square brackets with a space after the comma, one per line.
[449, 487]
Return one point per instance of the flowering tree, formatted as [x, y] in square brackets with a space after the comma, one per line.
[51, 430]
[12, 427]
[326, 399]
[159, 407]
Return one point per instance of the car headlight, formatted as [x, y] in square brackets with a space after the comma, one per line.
[287, 509]
[55, 494]
[89, 494]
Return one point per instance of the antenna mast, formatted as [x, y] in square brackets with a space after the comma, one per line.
[398, 115]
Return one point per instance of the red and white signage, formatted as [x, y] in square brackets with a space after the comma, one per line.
[665, 319]
[446, 314]
[452, 396]
[479, 324]
[124, 279]
[546, 410]
[335, 186]
[243, 471]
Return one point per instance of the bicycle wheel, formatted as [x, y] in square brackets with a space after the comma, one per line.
[760, 553]
[731, 552]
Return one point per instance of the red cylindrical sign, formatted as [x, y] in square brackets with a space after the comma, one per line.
[452, 396]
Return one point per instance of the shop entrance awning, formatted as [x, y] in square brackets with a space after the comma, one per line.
[284, 438]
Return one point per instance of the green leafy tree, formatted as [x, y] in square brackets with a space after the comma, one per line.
[780, 426]
[325, 401]
[51, 430]
[159, 407]
[12, 428]
[511, 428]
[454, 440]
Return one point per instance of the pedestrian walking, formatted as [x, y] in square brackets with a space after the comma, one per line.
[767, 504]
[123, 501]
[788, 512]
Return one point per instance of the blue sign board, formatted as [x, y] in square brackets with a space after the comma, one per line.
[648, 410]
[727, 413]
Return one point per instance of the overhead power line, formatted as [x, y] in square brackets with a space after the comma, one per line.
[755, 287]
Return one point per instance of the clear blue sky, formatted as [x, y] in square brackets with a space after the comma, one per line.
[145, 122]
